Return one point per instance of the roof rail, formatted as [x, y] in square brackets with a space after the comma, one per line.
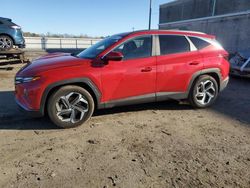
[175, 30]
[179, 30]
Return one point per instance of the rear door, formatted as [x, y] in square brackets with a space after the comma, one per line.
[177, 61]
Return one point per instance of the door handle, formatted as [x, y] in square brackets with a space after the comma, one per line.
[194, 63]
[146, 69]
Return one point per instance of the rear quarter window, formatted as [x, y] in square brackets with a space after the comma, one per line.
[172, 44]
[199, 43]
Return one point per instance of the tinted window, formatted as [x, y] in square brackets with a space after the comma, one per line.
[170, 44]
[199, 43]
[140, 47]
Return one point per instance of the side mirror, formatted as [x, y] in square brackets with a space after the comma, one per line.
[113, 56]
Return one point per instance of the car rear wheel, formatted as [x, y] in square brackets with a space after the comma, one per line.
[6, 43]
[70, 106]
[204, 92]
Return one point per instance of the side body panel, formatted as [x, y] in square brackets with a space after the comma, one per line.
[175, 71]
[215, 58]
[151, 78]
[33, 94]
[126, 79]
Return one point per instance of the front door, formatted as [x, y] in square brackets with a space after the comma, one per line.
[132, 80]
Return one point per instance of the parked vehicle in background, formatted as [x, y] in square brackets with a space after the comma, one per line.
[127, 68]
[10, 35]
[240, 64]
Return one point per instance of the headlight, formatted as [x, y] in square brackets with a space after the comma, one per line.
[20, 80]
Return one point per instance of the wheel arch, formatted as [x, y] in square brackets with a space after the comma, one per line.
[6, 34]
[81, 82]
[214, 72]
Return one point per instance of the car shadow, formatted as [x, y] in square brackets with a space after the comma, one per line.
[165, 105]
[12, 118]
[233, 102]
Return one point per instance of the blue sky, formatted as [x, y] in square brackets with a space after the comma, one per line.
[91, 17]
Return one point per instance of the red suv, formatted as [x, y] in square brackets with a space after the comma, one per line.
[127, 68]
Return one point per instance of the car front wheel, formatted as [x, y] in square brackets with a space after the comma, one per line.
[70, 106]
[204, 92]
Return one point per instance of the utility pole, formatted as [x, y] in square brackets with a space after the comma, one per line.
[150, 15]
[214, 7]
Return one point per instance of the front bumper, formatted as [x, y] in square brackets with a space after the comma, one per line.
[27, 96]
[23, 108]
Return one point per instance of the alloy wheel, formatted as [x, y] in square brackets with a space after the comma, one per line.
[205, 92]
[5, 42]
[72, 107]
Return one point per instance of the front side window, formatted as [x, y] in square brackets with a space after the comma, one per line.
[140, 47]
[172, 44]
[96, 49]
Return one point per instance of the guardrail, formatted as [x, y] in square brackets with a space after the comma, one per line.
[59, 43]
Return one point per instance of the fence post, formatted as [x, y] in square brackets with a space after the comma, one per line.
[61, 43]
[43, 43]
[76, 44]
[91, 42]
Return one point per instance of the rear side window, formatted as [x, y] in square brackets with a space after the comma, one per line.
[171, 44]
[199, 43]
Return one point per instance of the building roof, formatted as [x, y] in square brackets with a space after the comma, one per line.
[173, 2]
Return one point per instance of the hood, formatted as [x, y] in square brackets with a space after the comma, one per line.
[51, 55]
[50, 62]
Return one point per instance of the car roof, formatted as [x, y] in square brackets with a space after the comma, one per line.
[5, 19]
[174, 32]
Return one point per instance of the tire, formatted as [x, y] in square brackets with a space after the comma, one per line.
[6, 43]
[70, 106]
[204, 92]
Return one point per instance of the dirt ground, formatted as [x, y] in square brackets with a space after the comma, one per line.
[152, 145]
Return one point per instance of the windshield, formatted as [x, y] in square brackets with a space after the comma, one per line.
[99, 47]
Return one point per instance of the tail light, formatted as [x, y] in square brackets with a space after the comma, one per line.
[15, 27]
